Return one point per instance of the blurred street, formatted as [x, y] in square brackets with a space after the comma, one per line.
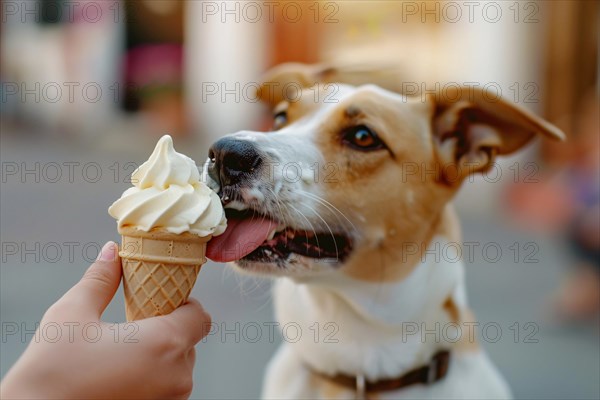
[53, 212]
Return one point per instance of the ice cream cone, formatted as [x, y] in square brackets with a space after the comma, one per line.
[159, 270]
[160, 267]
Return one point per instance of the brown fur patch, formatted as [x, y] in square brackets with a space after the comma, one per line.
[451, 309]
[329, 389]
[466, 343]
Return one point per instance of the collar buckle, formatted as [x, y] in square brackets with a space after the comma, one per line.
[361, 387]
[432, 371]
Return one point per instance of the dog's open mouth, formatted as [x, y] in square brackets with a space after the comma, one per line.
[256, 237]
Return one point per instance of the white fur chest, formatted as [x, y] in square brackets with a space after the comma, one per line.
[367, 328]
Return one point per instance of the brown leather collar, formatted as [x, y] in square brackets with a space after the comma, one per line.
[426, 375]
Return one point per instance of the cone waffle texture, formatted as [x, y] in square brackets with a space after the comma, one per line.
[159, 270]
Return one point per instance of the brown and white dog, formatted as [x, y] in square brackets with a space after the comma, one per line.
[332, 200]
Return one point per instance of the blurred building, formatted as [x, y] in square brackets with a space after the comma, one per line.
[164, 58]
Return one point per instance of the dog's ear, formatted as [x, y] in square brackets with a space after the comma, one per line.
[471, 127]
[283, 81]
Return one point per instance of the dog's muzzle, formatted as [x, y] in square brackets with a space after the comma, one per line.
[232, 161]
[257, 231]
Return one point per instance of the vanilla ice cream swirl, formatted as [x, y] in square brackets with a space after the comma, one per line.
[168, 194]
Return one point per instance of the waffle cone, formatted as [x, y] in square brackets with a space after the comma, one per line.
[159, 270]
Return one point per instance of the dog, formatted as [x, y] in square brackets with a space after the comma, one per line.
[342, 202]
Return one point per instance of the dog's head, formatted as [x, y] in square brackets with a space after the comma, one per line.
[350, 174]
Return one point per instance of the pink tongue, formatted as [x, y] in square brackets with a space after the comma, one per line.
[241, 238]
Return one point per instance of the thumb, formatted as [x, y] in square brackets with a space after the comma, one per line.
[192, 321]
[98, 285]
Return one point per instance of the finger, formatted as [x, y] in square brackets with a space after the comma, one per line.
[190, 358]
[191, 320]
[98, 285]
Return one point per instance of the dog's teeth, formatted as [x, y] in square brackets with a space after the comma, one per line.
[236, 205]
[271, 235]
[280, 228]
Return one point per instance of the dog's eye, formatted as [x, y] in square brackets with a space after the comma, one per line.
[280, 120]
[362, 138]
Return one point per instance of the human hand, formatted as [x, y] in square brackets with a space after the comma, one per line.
[151, 358]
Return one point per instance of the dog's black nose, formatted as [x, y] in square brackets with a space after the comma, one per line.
[232, 160]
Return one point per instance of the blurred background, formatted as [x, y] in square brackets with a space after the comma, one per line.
[87, 88]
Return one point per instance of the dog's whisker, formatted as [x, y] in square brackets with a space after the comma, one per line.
[247, 287]
[307, 220]
[240, 284]
[319, 201]
[278, 204]
[337, 254]
[336, 211]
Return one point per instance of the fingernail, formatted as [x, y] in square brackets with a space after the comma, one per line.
[107, 253]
